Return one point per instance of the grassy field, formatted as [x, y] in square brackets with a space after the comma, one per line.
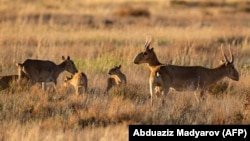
[100, 34]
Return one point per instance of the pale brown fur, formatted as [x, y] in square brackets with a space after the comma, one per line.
[116, 77]
[79, 81]
[163, 77]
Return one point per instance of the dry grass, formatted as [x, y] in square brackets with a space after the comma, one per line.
[96, 39]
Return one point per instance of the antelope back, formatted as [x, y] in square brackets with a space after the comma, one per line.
[6, 80]
[69, 65]
[81, 78]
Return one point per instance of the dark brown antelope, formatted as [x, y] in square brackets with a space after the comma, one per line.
[116, 77]
[46, 71]
[6, 80]
[163, 77]
[79, 81]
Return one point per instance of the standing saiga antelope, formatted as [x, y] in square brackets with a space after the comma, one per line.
[163, 77]
[46, 71]
[79, 81]
[116, 77]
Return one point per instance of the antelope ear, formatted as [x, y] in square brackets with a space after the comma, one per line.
[63, 58]
[119, 66]
[68, 58]
[151, 49]
[82, 74]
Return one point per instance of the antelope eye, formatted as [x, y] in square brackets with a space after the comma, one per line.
[145, 53]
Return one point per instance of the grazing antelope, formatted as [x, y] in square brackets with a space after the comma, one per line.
[46, 71]
[116, 77]
[78, 80]
[163, 77]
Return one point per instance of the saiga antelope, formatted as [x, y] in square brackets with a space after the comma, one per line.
[46, 71]
[6, 80]
[79, 81]
[116, 77]
[163, 77]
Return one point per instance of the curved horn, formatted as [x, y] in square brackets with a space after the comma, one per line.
[147, 44]
[225, 57]
[231, 55]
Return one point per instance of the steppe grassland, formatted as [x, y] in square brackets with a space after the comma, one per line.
[98, 35]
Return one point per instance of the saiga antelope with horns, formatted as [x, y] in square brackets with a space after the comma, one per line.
[163, 77]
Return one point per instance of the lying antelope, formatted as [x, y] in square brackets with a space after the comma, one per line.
[78, 80]
[163, 77]
[116, 77]
[6, 80]
[46, 71]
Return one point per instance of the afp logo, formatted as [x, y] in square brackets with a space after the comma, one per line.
[234, 133]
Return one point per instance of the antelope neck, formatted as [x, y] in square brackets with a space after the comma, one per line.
[60, 68]
[154, 63]
[217, 73]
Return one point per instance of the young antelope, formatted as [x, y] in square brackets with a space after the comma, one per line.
[116, 77]
[79, 81]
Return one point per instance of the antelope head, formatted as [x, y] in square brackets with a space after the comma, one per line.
[67, 79]
[115, 70]
[231, 72]
[147, 56]
[70, 66]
